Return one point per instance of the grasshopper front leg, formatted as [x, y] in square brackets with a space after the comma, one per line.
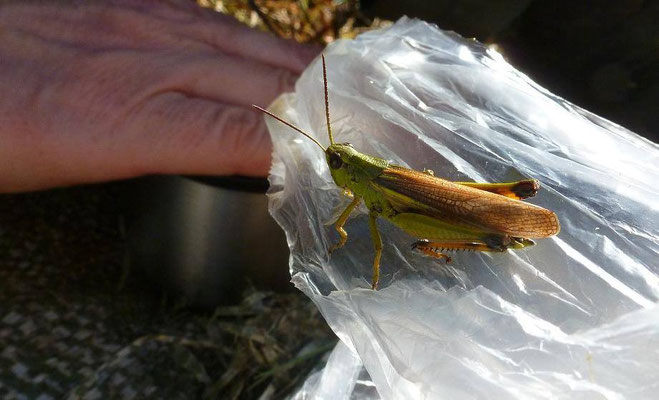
[342, 221]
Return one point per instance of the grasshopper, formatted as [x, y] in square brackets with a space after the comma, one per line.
[445, 215]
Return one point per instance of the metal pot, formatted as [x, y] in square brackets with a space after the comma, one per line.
[206, 238]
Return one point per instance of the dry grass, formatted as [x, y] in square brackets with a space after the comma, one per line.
[319, 21]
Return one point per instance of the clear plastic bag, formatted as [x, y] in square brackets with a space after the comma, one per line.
[573, 317]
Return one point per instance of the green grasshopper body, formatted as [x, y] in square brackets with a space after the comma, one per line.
[446, 215]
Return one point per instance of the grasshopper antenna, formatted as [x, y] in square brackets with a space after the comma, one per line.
[329, 127]
[289, 124]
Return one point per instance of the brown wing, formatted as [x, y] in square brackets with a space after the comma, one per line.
[468, 206]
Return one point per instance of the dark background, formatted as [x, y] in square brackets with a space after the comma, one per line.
[600, 55]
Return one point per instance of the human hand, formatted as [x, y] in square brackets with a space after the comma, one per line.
[99, 91]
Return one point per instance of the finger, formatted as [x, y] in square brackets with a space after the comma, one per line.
[95, 24]
[227, 79]
[228, 35]
[171, 134]
[184, 135]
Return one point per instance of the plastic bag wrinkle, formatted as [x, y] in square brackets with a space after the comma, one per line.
[573, 317]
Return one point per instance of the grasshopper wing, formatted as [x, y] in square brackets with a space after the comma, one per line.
[414, 191]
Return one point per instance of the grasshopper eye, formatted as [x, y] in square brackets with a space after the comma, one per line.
[335, 161]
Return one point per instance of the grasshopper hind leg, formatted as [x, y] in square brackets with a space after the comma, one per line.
[519, 190]
[436, 249]
[492, 243]
[427, 248]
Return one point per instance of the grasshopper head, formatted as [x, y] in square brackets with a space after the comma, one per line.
[341, 158]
